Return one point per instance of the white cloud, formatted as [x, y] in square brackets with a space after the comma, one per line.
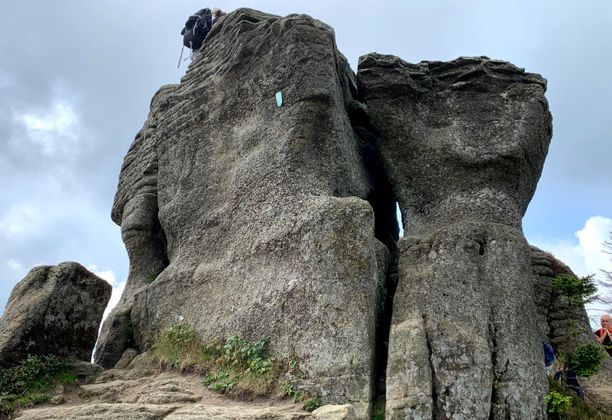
[114, 300]
[118, 287]
[54, 130]
[107, 275]
[586, 256]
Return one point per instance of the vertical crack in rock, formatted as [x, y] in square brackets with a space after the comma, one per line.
[386, 230]
[434, 383]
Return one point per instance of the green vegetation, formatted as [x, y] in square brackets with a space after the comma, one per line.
[586, 359]
[563, 403]
[234, 366]
[27, 383]
[557, 403]
[578, 290]
[312, 404]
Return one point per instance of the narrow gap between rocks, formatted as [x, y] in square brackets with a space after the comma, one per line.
[387, 228]
[387, 231]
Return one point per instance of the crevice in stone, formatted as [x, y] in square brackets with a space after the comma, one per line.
[434, 391]
[386, 230]
[481, 248]
[383, 329]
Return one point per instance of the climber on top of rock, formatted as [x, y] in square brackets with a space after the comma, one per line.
[196, 28]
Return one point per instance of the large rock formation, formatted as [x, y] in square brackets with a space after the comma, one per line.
[256, 213]
[53, 310]
[463, 144]
[246, 216]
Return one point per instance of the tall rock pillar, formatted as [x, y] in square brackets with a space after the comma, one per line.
[463, 144]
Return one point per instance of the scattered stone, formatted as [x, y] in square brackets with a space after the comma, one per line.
[126, 358]
[53, 310]
[103, 411]
[334, 412]
[197, 411]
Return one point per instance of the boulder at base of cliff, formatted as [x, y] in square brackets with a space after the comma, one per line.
[53, 310]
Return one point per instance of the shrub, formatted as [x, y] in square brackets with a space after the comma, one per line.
[578, 290]
[243, 368]
[585, 360]
[312, 404]
[25, 384]
[557, 403]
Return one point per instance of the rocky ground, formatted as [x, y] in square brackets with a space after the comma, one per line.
[142, 391]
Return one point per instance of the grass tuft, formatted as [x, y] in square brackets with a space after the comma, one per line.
[234, 366]
[26, 384]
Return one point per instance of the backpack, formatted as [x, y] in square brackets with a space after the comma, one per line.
[196, 28]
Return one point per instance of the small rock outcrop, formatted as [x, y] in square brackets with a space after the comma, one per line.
[53, 310]
[563, 325]
[463, 144]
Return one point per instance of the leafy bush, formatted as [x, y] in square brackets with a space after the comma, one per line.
[243, 368]
[578, 290]
[25, 384]
[557, 403]
[585, 360]
[577, 410]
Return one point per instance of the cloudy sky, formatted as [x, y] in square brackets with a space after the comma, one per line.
[76, 78]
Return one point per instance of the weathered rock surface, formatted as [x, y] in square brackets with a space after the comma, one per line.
[463, 144]
[246, 217]
[138, 393]
[53, 310]
[242, 217]
[334, 412]
[563, 325]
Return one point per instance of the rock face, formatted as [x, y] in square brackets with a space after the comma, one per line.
[244, 217]
[53, 310]
[463, 144]
[259, 200]
[563, 325]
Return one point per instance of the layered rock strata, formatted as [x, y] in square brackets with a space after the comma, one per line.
[53, 310]
[463, 144]
[252, 218]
